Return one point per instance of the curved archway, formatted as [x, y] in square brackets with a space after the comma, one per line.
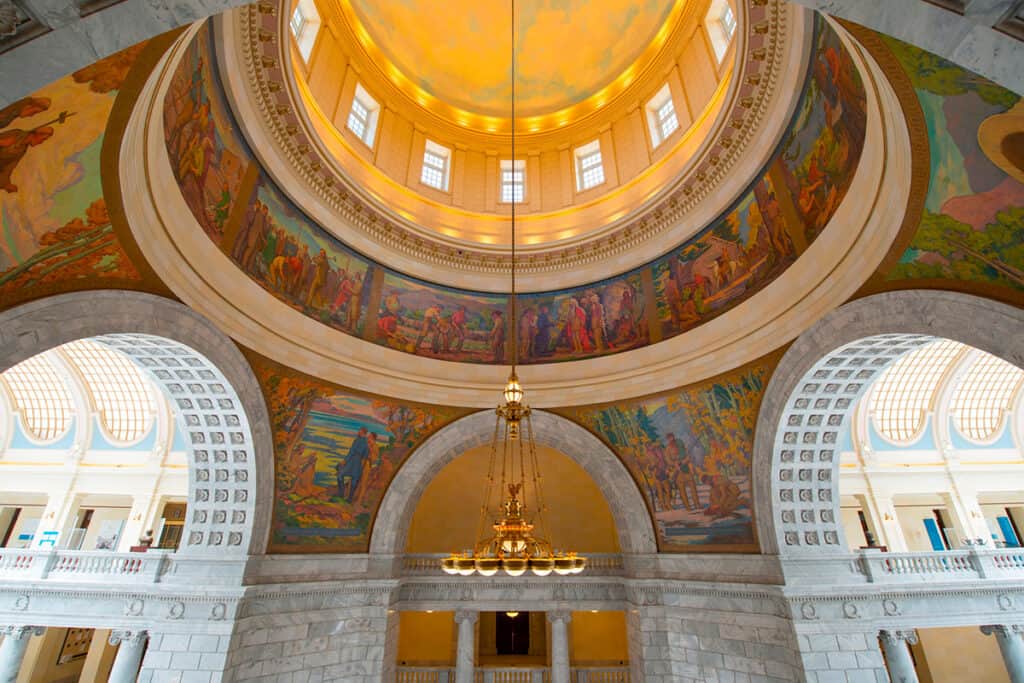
[818, 382]
[217, 400]
[632, 521]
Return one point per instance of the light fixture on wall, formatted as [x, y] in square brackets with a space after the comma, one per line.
[513, 548]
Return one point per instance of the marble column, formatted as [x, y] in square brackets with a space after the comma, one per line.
[897, 654]
[559, 646]
[129, 655]
[12, 650]
[465, 653]
[1012, 646]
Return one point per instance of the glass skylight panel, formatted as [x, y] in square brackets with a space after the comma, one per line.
[984, 395]
[119, 389]
[903, 394]
[42, 397]
[513, 182]
[435, 168]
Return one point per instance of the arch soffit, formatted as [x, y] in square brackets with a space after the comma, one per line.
[632, 520]
[815, 388]
[230, 450]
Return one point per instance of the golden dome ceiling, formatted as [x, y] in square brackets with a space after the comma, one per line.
[459, 51]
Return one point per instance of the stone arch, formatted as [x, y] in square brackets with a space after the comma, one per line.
[816, 385]
[217, 400]
[632, 521]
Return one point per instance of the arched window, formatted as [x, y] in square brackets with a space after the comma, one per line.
[903, 393]
[41, 395]
[984, 395]
[119, 390]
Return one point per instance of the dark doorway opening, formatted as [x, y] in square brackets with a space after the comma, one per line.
[513, 633]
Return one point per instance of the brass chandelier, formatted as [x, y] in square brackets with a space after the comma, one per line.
[513, 548]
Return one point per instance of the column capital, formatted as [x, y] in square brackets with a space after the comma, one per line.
[20, 632]
[1004, 630]
[130, 637]
[466, 615]
[892, 637]
[563, 616]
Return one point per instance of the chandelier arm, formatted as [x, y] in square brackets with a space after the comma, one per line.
[489, 486]
[538, 491]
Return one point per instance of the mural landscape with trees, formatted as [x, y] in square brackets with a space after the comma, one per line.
[972, 228]
[689, 452]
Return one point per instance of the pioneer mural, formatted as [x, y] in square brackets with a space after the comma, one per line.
[335, 454]
[689, 452]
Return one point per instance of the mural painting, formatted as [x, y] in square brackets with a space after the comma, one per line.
[52, 212]
[335, 454]
[302, 264]
[689, 452]
[207, 157]
[752, 244]
[973, 223]
[587, 321]
[452, 324]
[822, 148]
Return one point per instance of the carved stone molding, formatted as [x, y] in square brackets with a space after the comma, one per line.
[896, 637]
[132, 638]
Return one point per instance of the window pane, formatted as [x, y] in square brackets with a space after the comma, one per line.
[728, 21]
[591, 171]
[297, 21]
[435, 171]
[358, 119]
[119, 389]
[41, 396]
[903, 394]
[667, 120]
[984, 395]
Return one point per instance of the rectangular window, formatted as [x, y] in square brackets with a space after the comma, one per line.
[513, 181]
[589, 167]
[297, 22]
[305, 24]
[435, 166]
[661, 115]
[728, 20]
[720, 23]
[362, 118]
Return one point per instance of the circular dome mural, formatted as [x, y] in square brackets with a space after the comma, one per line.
[781, 213]
[566, 50]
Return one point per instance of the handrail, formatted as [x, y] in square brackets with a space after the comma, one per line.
[82, 565]
[526, 674]
[971, 564]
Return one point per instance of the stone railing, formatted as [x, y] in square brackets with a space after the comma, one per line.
[429, 564]
[79, 565]
[414, 674]
[943, 565]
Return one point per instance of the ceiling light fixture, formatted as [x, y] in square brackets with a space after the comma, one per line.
[513, 548]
